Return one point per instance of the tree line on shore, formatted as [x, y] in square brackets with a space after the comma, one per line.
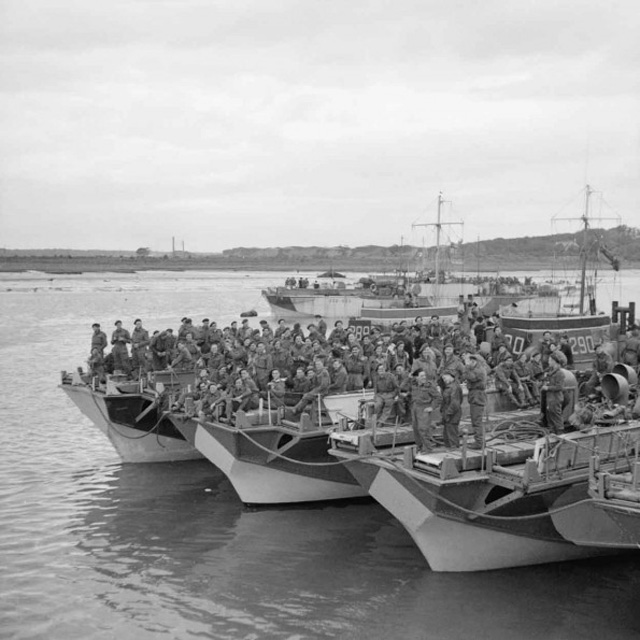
[621, 241]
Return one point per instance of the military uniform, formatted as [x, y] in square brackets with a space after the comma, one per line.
[451, 411]
[476, 380]
[139, 343]
[508, 383]
[424, 398]
[159, 351]
[338, 380]
[385, 389]
[322, 382]
[554, 400]
[357, 367]
[631, 353]
[602, 363]
[99, 341]
[119, 339]
[262, 366]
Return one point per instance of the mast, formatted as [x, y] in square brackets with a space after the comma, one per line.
[438, 230]
[438, 225]
[584, 250]
[583, 259]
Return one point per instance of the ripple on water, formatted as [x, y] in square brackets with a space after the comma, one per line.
[95, 549]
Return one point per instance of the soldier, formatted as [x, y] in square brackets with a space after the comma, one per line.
[435, 333]
[96, 364]
[338, 376]
[554, 388]
[403, 357]
[275, 394]
[139, 348]
[479, 329]
[497, 341]
[245, 330]
[183, 361]
[631, 352]
[315, 335]
[317, 352]
[357, 367]
[203, 335]
[523, 370]
[404, 391]
[237, 355]
[172, 343]
[300, 383]
[338, 332]
[375, 361]
[321, 381]
[221, 377]
[280, 329]
[267, 331]
[262, 366]
[212, 403]
[119, 339]
[159, 351]
[299, 353]
[425, 396]
[321, 324]
[367, 346]
[537, 373]
[186, 327]
[545, 348]
[250, 395]
[190, 344]
[602, 363]
[475, 377]
[281, 359]
[385, 388]
[565, 347]
[216, 359]
[451, 363]
[508, 383]
[451, 410]
[426, 362]
[98, 339]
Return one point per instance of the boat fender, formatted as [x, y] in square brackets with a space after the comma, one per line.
[416, 289]
[373, 288]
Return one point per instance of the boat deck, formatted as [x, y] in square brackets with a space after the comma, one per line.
[381, 437]
[516, 457]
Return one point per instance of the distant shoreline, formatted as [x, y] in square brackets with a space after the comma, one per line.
[78, 265]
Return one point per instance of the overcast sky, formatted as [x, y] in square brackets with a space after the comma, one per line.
[278, 122]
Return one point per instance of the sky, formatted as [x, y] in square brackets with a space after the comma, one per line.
[313, 122]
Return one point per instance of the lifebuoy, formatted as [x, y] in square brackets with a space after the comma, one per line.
[373, 288]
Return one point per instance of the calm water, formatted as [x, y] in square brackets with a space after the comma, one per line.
[90, 548]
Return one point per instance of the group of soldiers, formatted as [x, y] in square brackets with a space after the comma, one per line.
[412, 369]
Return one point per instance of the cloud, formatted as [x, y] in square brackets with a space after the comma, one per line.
[297, 122]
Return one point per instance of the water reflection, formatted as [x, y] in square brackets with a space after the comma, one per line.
[172, 544]
[179, 533]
